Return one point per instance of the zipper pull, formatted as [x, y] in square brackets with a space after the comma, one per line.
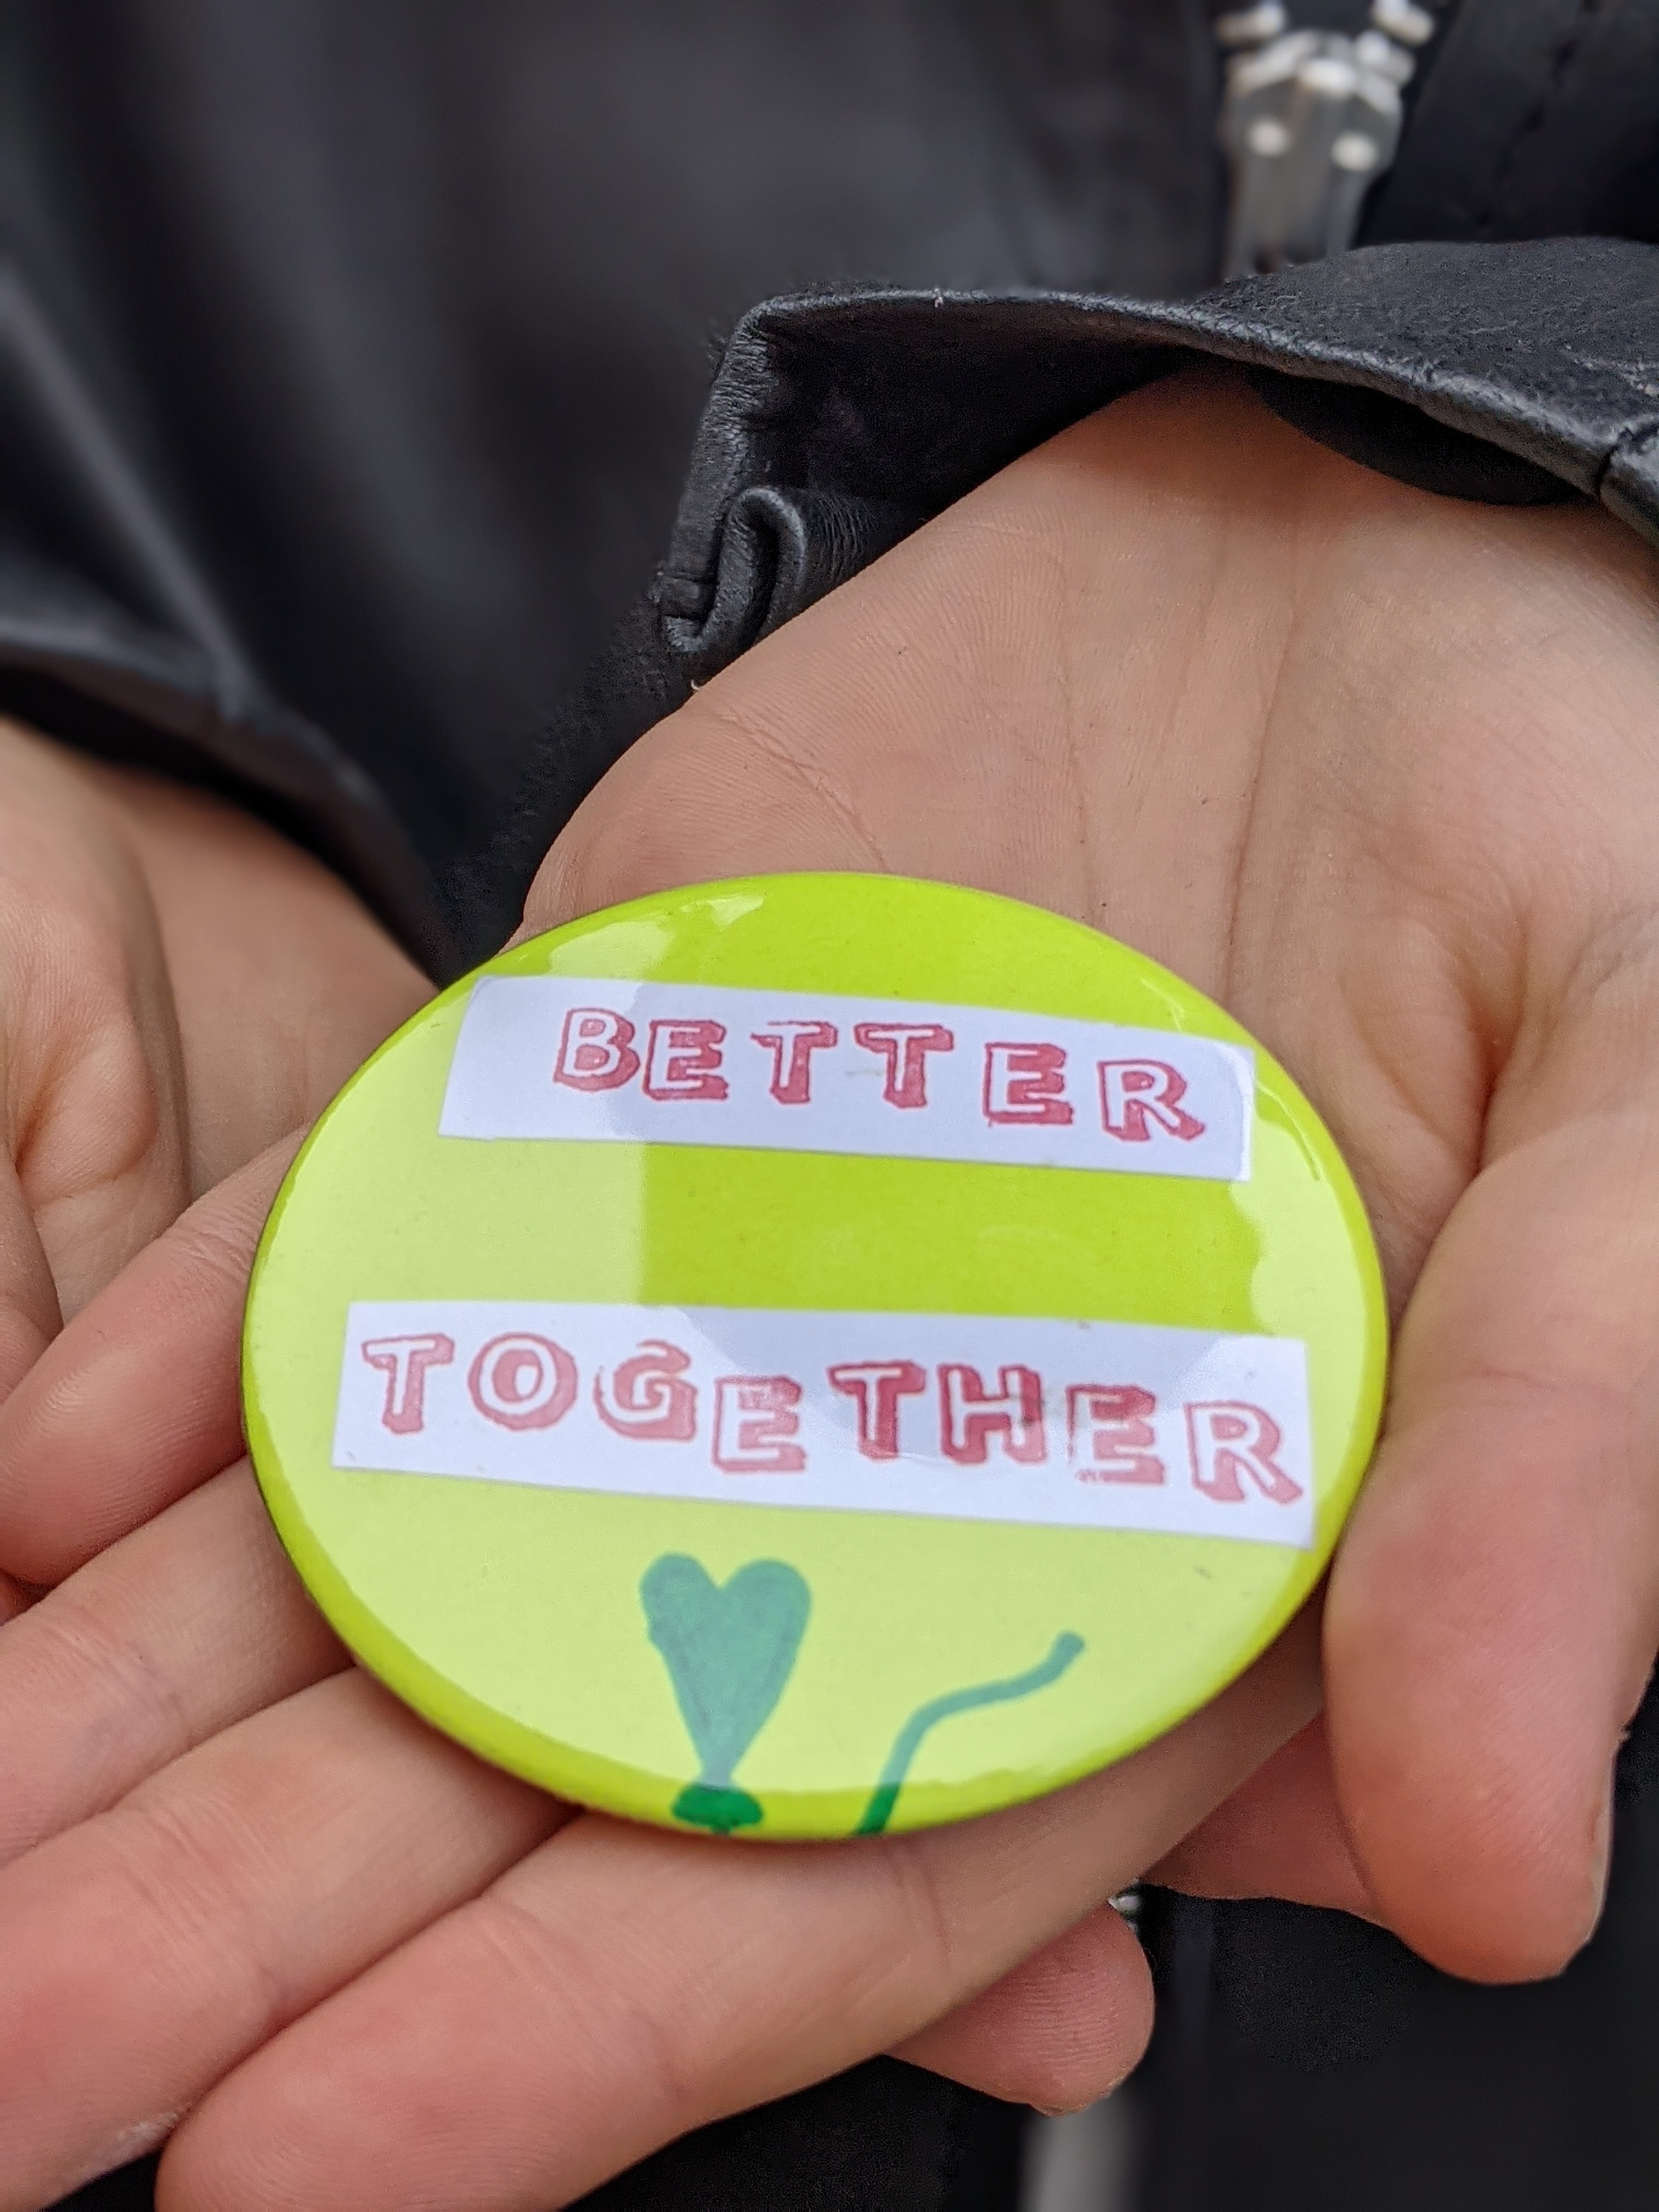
[1310, 120]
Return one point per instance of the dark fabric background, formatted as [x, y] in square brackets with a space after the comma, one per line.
[1306, 2062]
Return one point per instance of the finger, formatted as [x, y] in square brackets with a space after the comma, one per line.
[146, 1950]
[276, 1013]
[1281, 1835]
[29, 1317]
[622, 1986]
[93, 1101]
[176, 1633]
[137, 1401]
[1062, 2030]
[101, 1156]
[1493, 1612]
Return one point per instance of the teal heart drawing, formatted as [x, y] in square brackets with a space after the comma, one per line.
[729, 1648]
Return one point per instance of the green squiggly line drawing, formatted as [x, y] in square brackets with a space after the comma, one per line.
[906, 1744]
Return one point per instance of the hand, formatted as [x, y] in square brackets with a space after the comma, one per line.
[178, 986]
[1200, 683]
[1376, 771]
[217, 1834]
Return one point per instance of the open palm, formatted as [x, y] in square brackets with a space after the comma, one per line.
[1374, 769]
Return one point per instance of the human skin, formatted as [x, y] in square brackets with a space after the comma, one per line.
[178, 986]
[1374, 769]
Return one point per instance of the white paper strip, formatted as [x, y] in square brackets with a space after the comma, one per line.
[787, 1070]
[1090, 1425]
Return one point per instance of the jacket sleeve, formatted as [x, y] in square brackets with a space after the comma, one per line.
[113, 638]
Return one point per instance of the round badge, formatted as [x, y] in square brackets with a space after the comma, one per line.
[813, 1355]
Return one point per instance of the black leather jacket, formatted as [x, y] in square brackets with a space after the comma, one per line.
[351, 356]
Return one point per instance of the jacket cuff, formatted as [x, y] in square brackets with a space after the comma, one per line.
[840, 421]
[76, 666]
[153, 677]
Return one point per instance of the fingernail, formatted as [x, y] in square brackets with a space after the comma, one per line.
[1601, 1864]
[1067, 2112]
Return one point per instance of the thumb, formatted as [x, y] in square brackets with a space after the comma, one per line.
[1493, 1610]
[28, 1320]
[29, 1315]
[136, 1402]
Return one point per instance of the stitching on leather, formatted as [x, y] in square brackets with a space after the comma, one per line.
[1561, 62]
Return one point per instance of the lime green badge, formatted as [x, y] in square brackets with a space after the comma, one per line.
[813, 1355]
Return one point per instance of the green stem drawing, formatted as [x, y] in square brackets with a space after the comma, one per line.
[907, 1741]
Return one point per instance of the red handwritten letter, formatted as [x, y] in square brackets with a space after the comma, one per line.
[683, 1061]
[904, 1046]
[1232, 1443]
[523, 1381]
[404, 1361]
[1135, 1092]
[1108, 1425]
[969, 1415]
[878, 1384]
[649, 1400]
[755, 1424]
[792, 1045]
[594, 1051]
[1026, 1083]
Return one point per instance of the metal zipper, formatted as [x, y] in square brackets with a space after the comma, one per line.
[1309, 121]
